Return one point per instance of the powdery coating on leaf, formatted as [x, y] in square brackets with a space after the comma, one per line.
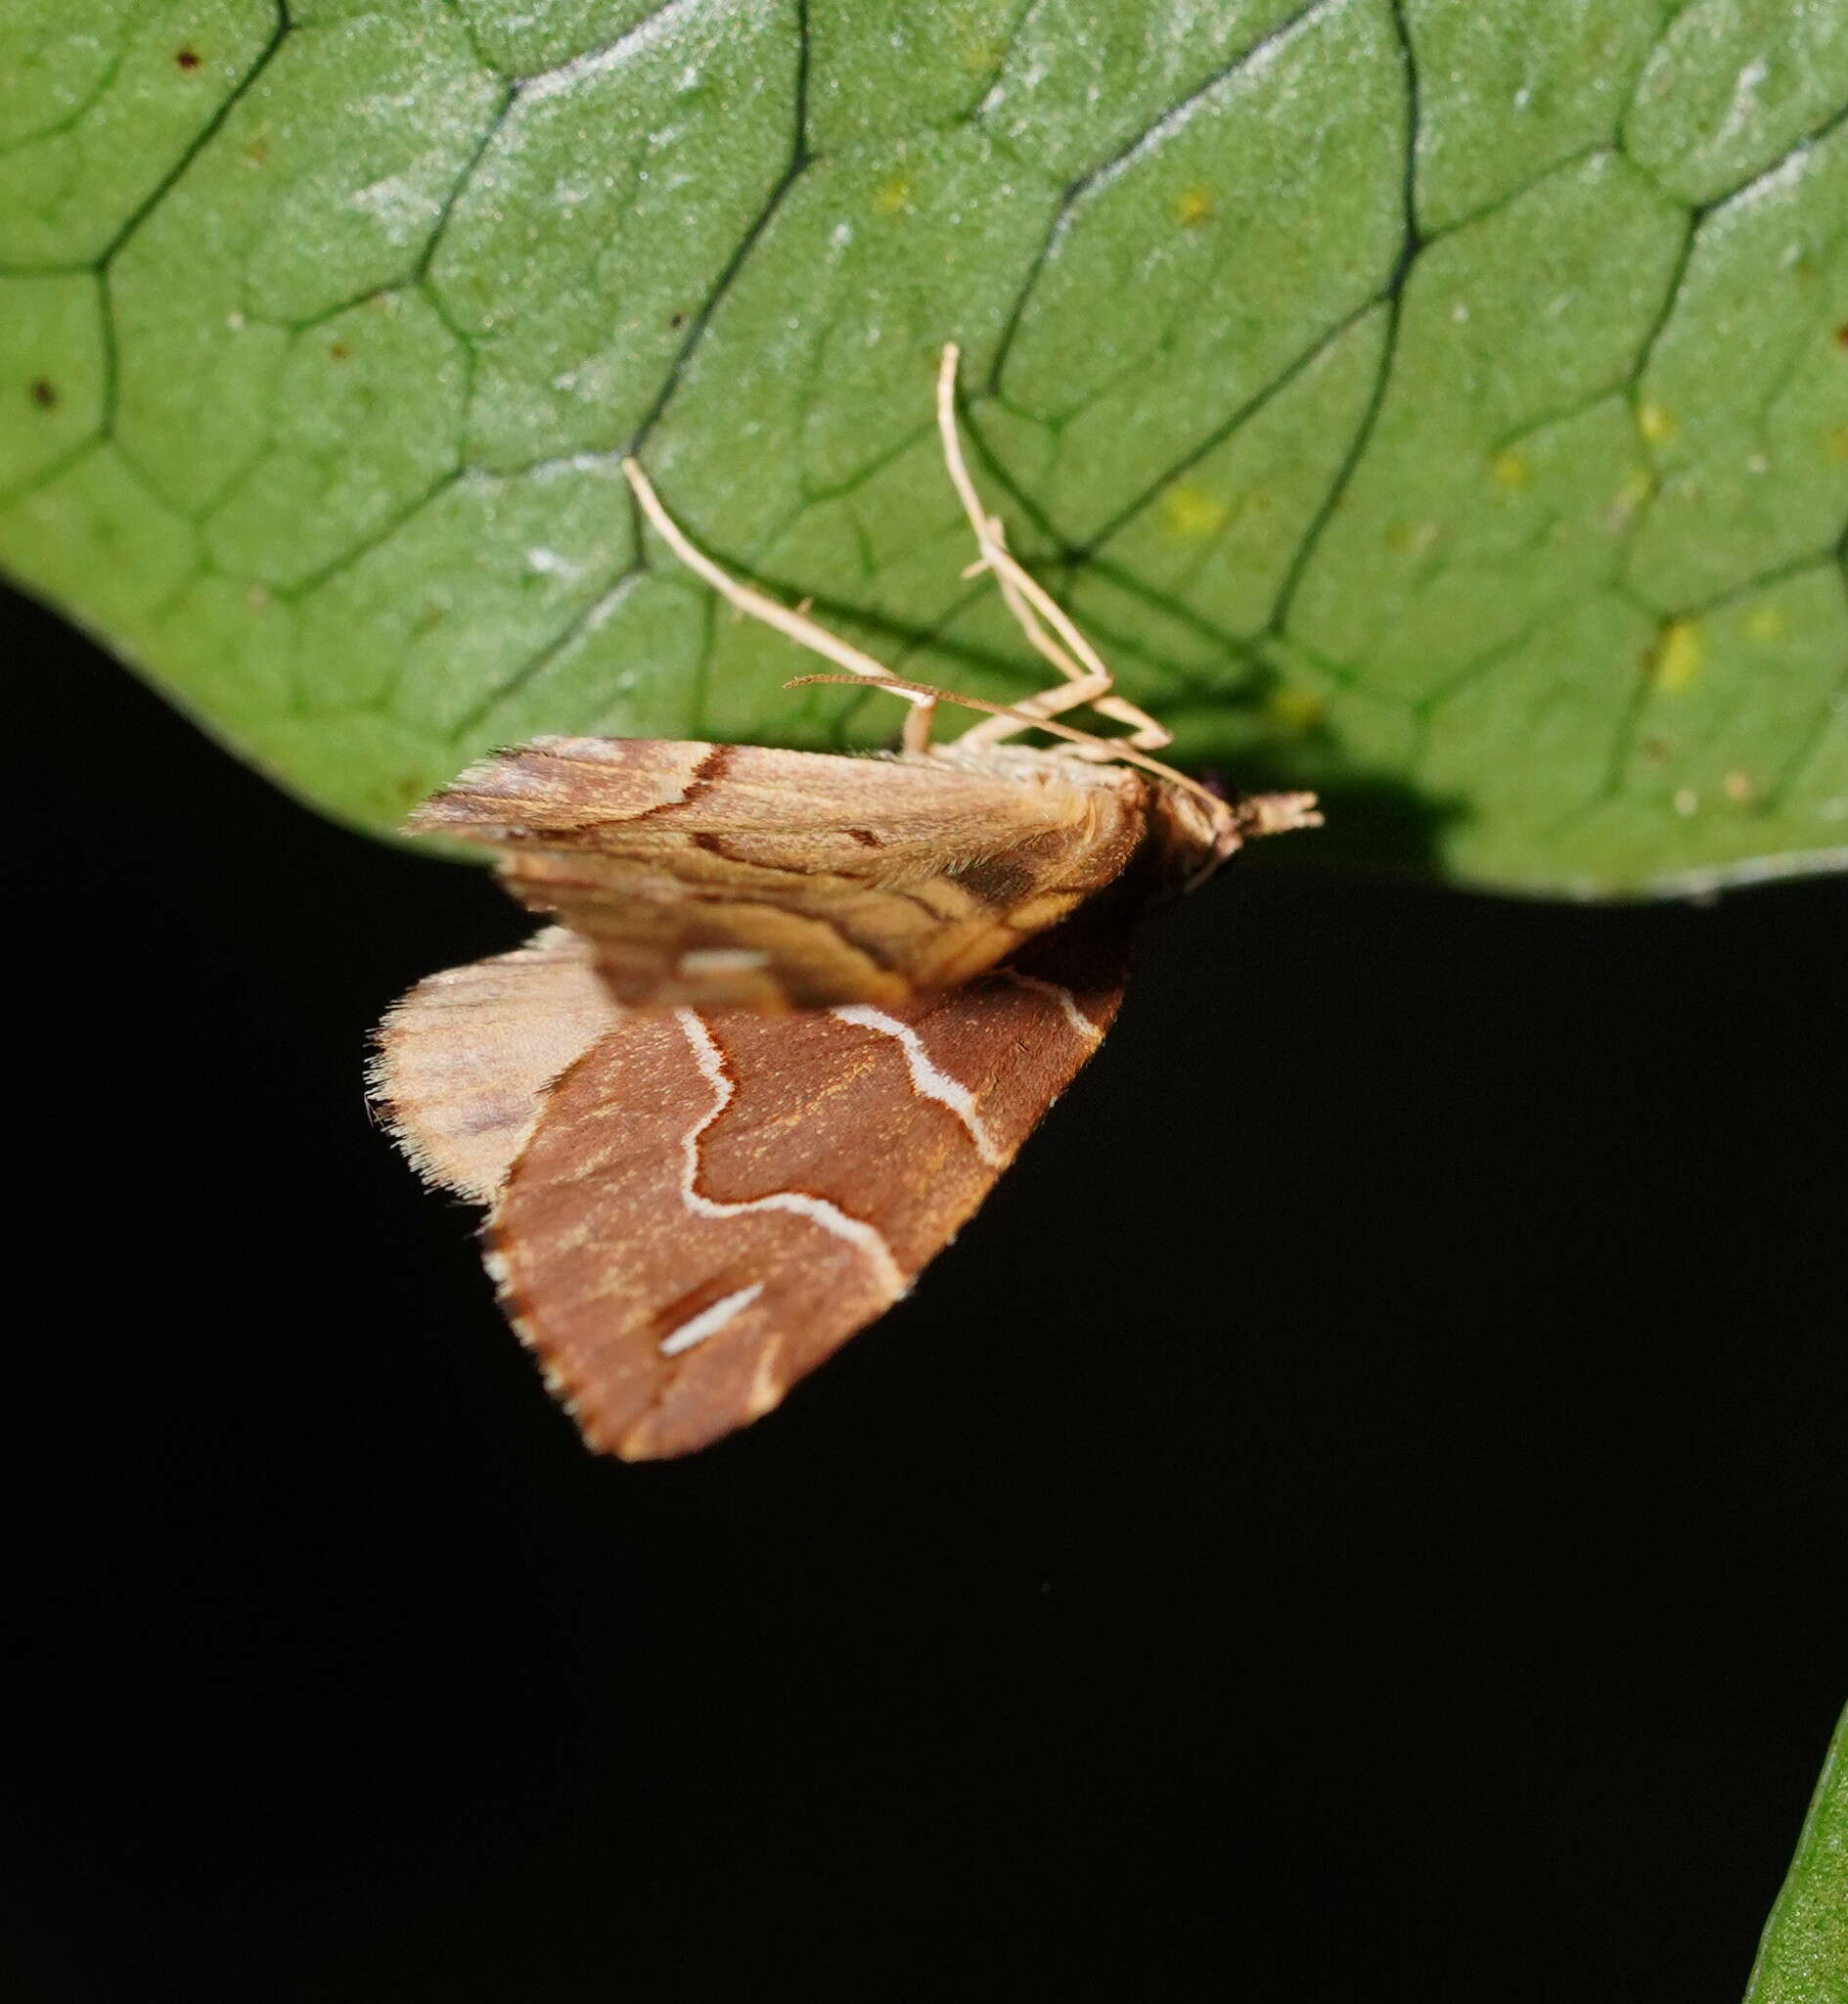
[1390, 384]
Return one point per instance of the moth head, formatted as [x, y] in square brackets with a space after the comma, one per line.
[1196, 828]
[1191, 832]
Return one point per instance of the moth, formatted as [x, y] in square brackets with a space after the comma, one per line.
[795, 1013]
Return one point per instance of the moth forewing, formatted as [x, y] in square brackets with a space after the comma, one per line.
[711, 1203]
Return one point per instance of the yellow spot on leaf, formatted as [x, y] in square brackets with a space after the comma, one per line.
[1835, 442]
[1629, 498]
[1193, 513]
[1297, 710]
[1686, 801]
[1510, 469]
[1412, 538]
[1679, 653]
[1738, 787]
[1654, 423]
[1767, 623]
[1194, 206]
[894, 196]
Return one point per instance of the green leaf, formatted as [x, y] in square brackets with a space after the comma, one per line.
[1442, 403]
[1803, 1958]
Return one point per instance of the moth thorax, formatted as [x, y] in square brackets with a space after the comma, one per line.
[1188, 834]
[1032, 763]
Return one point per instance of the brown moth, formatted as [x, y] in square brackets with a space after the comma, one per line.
[800, 1013]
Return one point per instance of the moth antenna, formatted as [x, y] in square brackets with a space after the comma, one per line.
[794, 626]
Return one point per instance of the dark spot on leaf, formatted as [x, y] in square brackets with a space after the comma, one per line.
[44, 395]
[338, 350]
[1842, 334]
[865, 837]
[187, 59]
[676, 320]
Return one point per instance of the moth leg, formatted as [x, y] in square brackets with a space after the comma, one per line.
[792, 624]
[1087, 679]
[916, 736]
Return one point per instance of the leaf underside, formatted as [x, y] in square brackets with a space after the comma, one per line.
[1442, 403]
[1803, 1958]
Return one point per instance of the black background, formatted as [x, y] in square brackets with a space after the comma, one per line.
[1361, 1514]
